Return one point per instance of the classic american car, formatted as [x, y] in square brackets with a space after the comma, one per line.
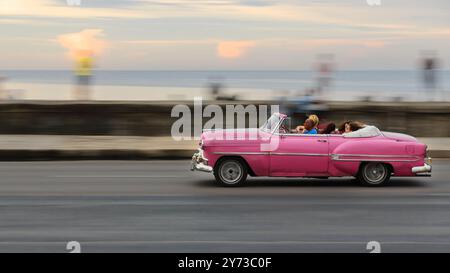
[368, 154]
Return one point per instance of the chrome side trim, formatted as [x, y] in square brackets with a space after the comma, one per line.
[241, 153]
[335, 157]
[362, 155]
[366, 157]
[299, 154]
[375, 160]
[303, 135]
[268, 153]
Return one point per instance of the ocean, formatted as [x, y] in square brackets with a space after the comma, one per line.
[148, 85]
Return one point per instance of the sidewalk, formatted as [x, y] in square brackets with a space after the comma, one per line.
[439, 147]
[56, 147]
[59, 147]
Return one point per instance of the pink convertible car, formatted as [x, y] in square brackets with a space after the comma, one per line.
[368, 154]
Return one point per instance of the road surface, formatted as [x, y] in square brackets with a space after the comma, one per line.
[160, 206]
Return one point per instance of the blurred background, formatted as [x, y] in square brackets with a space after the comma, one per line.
[97, 79]
[116, 68]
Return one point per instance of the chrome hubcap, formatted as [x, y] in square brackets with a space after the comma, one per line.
[375, 173]
[231, 172]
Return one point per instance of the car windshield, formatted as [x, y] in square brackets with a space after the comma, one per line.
[271, 123]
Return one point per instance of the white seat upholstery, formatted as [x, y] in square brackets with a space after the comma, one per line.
[367, 131]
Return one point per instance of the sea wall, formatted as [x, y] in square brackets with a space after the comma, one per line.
[154, 118]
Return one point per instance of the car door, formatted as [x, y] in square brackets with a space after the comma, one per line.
[300, 155]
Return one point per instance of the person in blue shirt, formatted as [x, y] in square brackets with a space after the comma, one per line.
[309, 128]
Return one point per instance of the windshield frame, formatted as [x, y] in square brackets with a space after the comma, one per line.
[280, 118]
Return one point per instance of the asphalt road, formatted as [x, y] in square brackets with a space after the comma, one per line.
[160, 206]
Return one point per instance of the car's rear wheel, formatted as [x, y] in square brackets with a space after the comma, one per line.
[231, 172]
[374, 174]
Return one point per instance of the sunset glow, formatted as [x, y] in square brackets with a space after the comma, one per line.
[233, 49]
[186, 34]
[83, 44]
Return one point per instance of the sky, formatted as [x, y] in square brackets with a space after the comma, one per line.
[223, 34]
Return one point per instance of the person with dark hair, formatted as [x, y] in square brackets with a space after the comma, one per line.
[356, 125]
[350, 126]
[309, 128]
[344, 127]
[314, 118]
[329, 129]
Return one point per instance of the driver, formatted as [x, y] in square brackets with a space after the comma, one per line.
[300, 128]
[309, 127]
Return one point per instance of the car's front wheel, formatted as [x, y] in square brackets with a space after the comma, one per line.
[374, 174]
[230, 172]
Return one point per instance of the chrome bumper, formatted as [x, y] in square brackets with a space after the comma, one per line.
[200, 163]
[422, 169]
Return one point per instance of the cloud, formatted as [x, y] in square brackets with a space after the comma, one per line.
[15, 21]
[53, 8]
[258, 3]
[225, 49]
[314, 43]
[233, 49]
[170, 42]
[283, 11]
[86, 42]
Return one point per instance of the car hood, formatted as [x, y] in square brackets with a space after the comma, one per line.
[233, 136]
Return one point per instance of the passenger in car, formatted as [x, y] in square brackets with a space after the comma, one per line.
[344, 127]
[350, 126]
[315, 119]
[309, 127]
[366, 131]
[356, 125]
[329, 129]
[300, 128]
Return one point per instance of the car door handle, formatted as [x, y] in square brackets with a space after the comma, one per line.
[322, 140]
